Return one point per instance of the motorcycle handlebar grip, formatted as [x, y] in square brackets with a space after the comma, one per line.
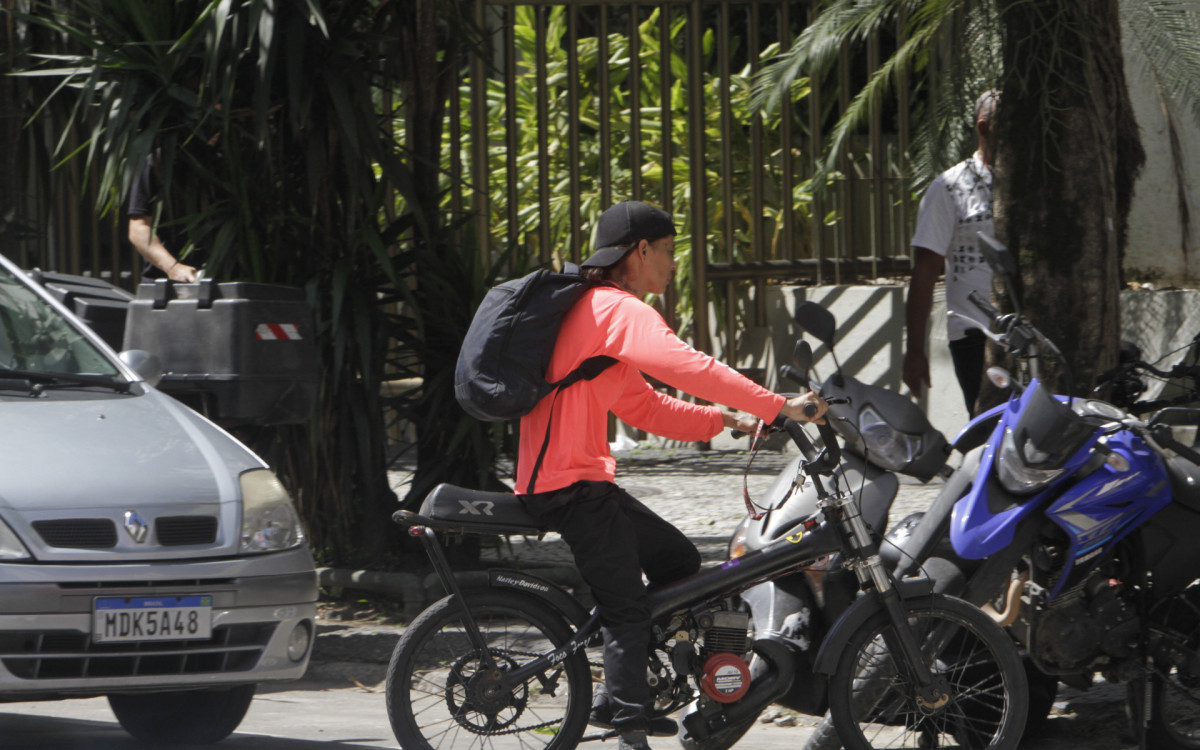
[794, 375]
[977, 299]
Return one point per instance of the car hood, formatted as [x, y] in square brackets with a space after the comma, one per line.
[146, 448]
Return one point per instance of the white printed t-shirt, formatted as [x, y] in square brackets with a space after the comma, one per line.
[956, 207]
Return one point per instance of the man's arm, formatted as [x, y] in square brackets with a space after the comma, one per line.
[927, 268]
[150, 247]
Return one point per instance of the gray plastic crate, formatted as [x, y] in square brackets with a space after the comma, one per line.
[239, 352]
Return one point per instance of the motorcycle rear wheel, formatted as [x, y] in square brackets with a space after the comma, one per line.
[872, 699]
[440, 695]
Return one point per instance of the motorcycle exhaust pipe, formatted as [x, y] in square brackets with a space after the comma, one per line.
[1012, 603]
[764, 691]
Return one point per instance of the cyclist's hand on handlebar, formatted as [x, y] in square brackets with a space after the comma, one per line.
[807, 408]
[741, 423]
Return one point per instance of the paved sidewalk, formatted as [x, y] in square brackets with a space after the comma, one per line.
[701, 493]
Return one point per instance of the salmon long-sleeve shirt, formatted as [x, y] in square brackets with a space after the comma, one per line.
[609, 321]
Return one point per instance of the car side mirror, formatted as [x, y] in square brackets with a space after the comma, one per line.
[147, 366]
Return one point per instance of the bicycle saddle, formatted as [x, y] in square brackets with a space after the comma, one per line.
[459, 509]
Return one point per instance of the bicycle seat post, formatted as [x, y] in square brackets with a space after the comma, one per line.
[441, 566]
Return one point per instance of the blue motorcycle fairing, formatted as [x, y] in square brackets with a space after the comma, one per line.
[984, 520]
[1106, 506]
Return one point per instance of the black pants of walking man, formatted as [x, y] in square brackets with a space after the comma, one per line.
[614, 538]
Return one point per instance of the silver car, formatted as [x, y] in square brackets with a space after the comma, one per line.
[145, 554]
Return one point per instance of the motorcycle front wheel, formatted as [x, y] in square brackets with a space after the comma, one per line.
[440, 694]
[873, 698]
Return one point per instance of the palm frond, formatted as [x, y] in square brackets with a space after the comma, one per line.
[1165, 32]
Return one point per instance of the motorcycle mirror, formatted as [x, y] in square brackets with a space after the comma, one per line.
[1002, 263]
[816, 320]
[802, 357]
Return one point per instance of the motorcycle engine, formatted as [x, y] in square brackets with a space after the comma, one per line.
[1094, 618]
[725, 676]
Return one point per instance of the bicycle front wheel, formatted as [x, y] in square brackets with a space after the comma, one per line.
[441, 695]
[873, 698]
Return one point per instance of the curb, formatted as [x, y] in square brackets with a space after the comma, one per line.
[415, 593]
[353, 654]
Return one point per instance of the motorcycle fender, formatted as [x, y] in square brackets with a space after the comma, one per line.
[863, 610]
[935, 524]
[557, 597]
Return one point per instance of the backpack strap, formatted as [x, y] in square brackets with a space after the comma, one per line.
[588, 369]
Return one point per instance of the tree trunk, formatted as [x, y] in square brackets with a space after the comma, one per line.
[1067, 154]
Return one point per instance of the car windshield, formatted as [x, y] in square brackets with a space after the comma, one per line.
[35, 337]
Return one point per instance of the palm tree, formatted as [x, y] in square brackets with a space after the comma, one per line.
[1066, 123]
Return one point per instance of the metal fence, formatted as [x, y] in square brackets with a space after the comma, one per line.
[655, 101]
[579, 103]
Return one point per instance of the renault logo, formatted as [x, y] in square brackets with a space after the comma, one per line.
[136, 526]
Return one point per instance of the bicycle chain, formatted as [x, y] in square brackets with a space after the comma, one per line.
[499, 732]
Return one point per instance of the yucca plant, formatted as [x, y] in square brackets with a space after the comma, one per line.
[298, 101]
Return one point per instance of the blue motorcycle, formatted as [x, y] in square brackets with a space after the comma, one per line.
[1076, 525]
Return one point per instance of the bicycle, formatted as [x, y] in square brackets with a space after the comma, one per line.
[510, 662]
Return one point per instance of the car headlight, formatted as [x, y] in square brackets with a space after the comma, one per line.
[886, 446]
[269, 520]
[11, 547]
[1014, 470]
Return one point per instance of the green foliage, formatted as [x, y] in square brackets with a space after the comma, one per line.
[277, 160]
[947, 53]
[664, 142]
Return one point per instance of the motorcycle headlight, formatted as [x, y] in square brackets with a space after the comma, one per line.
[886, 446]
[737, 543]
[11, 547]
[1014, 470]
[269, 520]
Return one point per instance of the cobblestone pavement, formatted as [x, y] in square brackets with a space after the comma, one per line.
[700, 492]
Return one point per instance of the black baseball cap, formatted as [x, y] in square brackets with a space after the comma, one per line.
[624, 225]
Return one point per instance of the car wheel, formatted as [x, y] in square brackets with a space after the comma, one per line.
[196, 717]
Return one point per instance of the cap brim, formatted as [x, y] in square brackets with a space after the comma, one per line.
[606, 257]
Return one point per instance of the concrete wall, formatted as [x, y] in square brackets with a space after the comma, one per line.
[1161, 250]
[870, 340]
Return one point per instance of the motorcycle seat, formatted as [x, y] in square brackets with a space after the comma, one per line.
[460, 509]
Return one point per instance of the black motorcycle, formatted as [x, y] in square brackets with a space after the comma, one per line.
[509, 664]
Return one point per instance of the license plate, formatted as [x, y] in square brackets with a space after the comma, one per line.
[152, 618]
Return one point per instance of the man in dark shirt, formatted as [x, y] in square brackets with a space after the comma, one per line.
[161, 262]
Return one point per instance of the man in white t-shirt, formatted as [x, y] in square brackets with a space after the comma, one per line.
[956, 207]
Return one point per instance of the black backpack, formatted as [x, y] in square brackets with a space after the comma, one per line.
[501, 369]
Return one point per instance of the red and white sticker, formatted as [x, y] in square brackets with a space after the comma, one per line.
[277, 332]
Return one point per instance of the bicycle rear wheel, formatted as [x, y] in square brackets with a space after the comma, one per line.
[873, 698]
[439, 694]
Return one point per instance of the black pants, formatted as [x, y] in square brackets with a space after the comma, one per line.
[614, 538]
[967, 354]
